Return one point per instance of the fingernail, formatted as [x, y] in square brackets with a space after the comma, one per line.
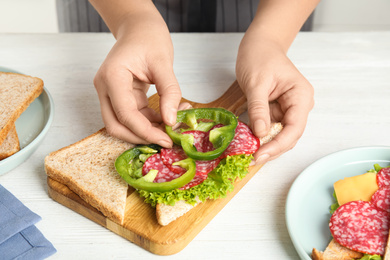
[165, 143]
[172, 117]
[262, 159]
[258, 126]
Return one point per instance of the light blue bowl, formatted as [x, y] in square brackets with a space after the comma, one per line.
[31, 126]
[310, 196]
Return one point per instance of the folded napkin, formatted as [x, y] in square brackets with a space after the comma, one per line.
[19, 238]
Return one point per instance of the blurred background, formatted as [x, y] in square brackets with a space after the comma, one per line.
[42, 16]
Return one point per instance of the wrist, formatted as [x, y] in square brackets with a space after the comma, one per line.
[121, 14]
[260, 34]
[141, 23]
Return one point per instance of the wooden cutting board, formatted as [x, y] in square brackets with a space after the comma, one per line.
[140, 224]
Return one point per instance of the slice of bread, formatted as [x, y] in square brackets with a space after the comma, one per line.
[335, 251]
[87, 168]
[166, 213]
[17, 91]
[10, 145]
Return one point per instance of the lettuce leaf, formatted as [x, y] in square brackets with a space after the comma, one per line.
[335, 205]
[219, 182]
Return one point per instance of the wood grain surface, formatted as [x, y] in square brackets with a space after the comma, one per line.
[140, 224]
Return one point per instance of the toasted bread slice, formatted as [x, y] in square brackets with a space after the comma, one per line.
[10, 145]
[17, 91]
[87, 168]
[335, 251]
[166, 213]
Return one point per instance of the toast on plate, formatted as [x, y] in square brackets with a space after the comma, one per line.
[335, 251]
[10, 145]
[17, 92]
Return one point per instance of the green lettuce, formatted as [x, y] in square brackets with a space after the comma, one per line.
[377, 167]
[335, 205]
[217, 185]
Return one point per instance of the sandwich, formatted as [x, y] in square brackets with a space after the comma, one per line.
[100, 168]
[360, 219]
[17, 92]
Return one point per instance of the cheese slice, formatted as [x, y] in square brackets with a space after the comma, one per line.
[360, 187]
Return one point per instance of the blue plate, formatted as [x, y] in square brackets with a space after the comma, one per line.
[31, 127]
[310, 196]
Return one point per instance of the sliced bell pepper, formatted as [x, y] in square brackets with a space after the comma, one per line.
[219, 137]
[128, 166]
[135, 159]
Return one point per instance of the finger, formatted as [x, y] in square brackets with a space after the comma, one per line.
[125, 111]
[151, 115]
[258, 109]
[114, 127]
[280, 144]
[184, 106]
[139, 91]
[294, 123]
[276, 112]
[170, 94]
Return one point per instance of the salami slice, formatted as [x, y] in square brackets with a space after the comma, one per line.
[383, 177]
[381, 198]
[169, 156]
[244, 142]
[198, 179]
[174, 154]
[199, 137]
[360, 226]
[164, 173]
[204, 167]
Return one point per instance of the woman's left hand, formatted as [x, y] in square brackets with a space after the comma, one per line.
[275, 91]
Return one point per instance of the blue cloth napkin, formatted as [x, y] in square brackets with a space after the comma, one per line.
[19, 238]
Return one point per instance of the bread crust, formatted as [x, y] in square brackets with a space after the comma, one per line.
[335, 251]
[87, 168]
[166, 214]
[11, 145]
[17, 92]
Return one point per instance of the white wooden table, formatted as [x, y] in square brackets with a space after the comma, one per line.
[351, 76]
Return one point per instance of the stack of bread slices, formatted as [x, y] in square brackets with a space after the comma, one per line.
[17, 92]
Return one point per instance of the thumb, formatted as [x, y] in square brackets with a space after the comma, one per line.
[258, 109]
[170, 95]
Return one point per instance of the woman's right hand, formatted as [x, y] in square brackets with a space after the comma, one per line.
[142, 55]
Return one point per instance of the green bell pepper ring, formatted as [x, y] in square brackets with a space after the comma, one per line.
[124, 166]
[219, 137]
[135, 159]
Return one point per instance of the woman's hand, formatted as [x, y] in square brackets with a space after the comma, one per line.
[142, 55]
[276, 91]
